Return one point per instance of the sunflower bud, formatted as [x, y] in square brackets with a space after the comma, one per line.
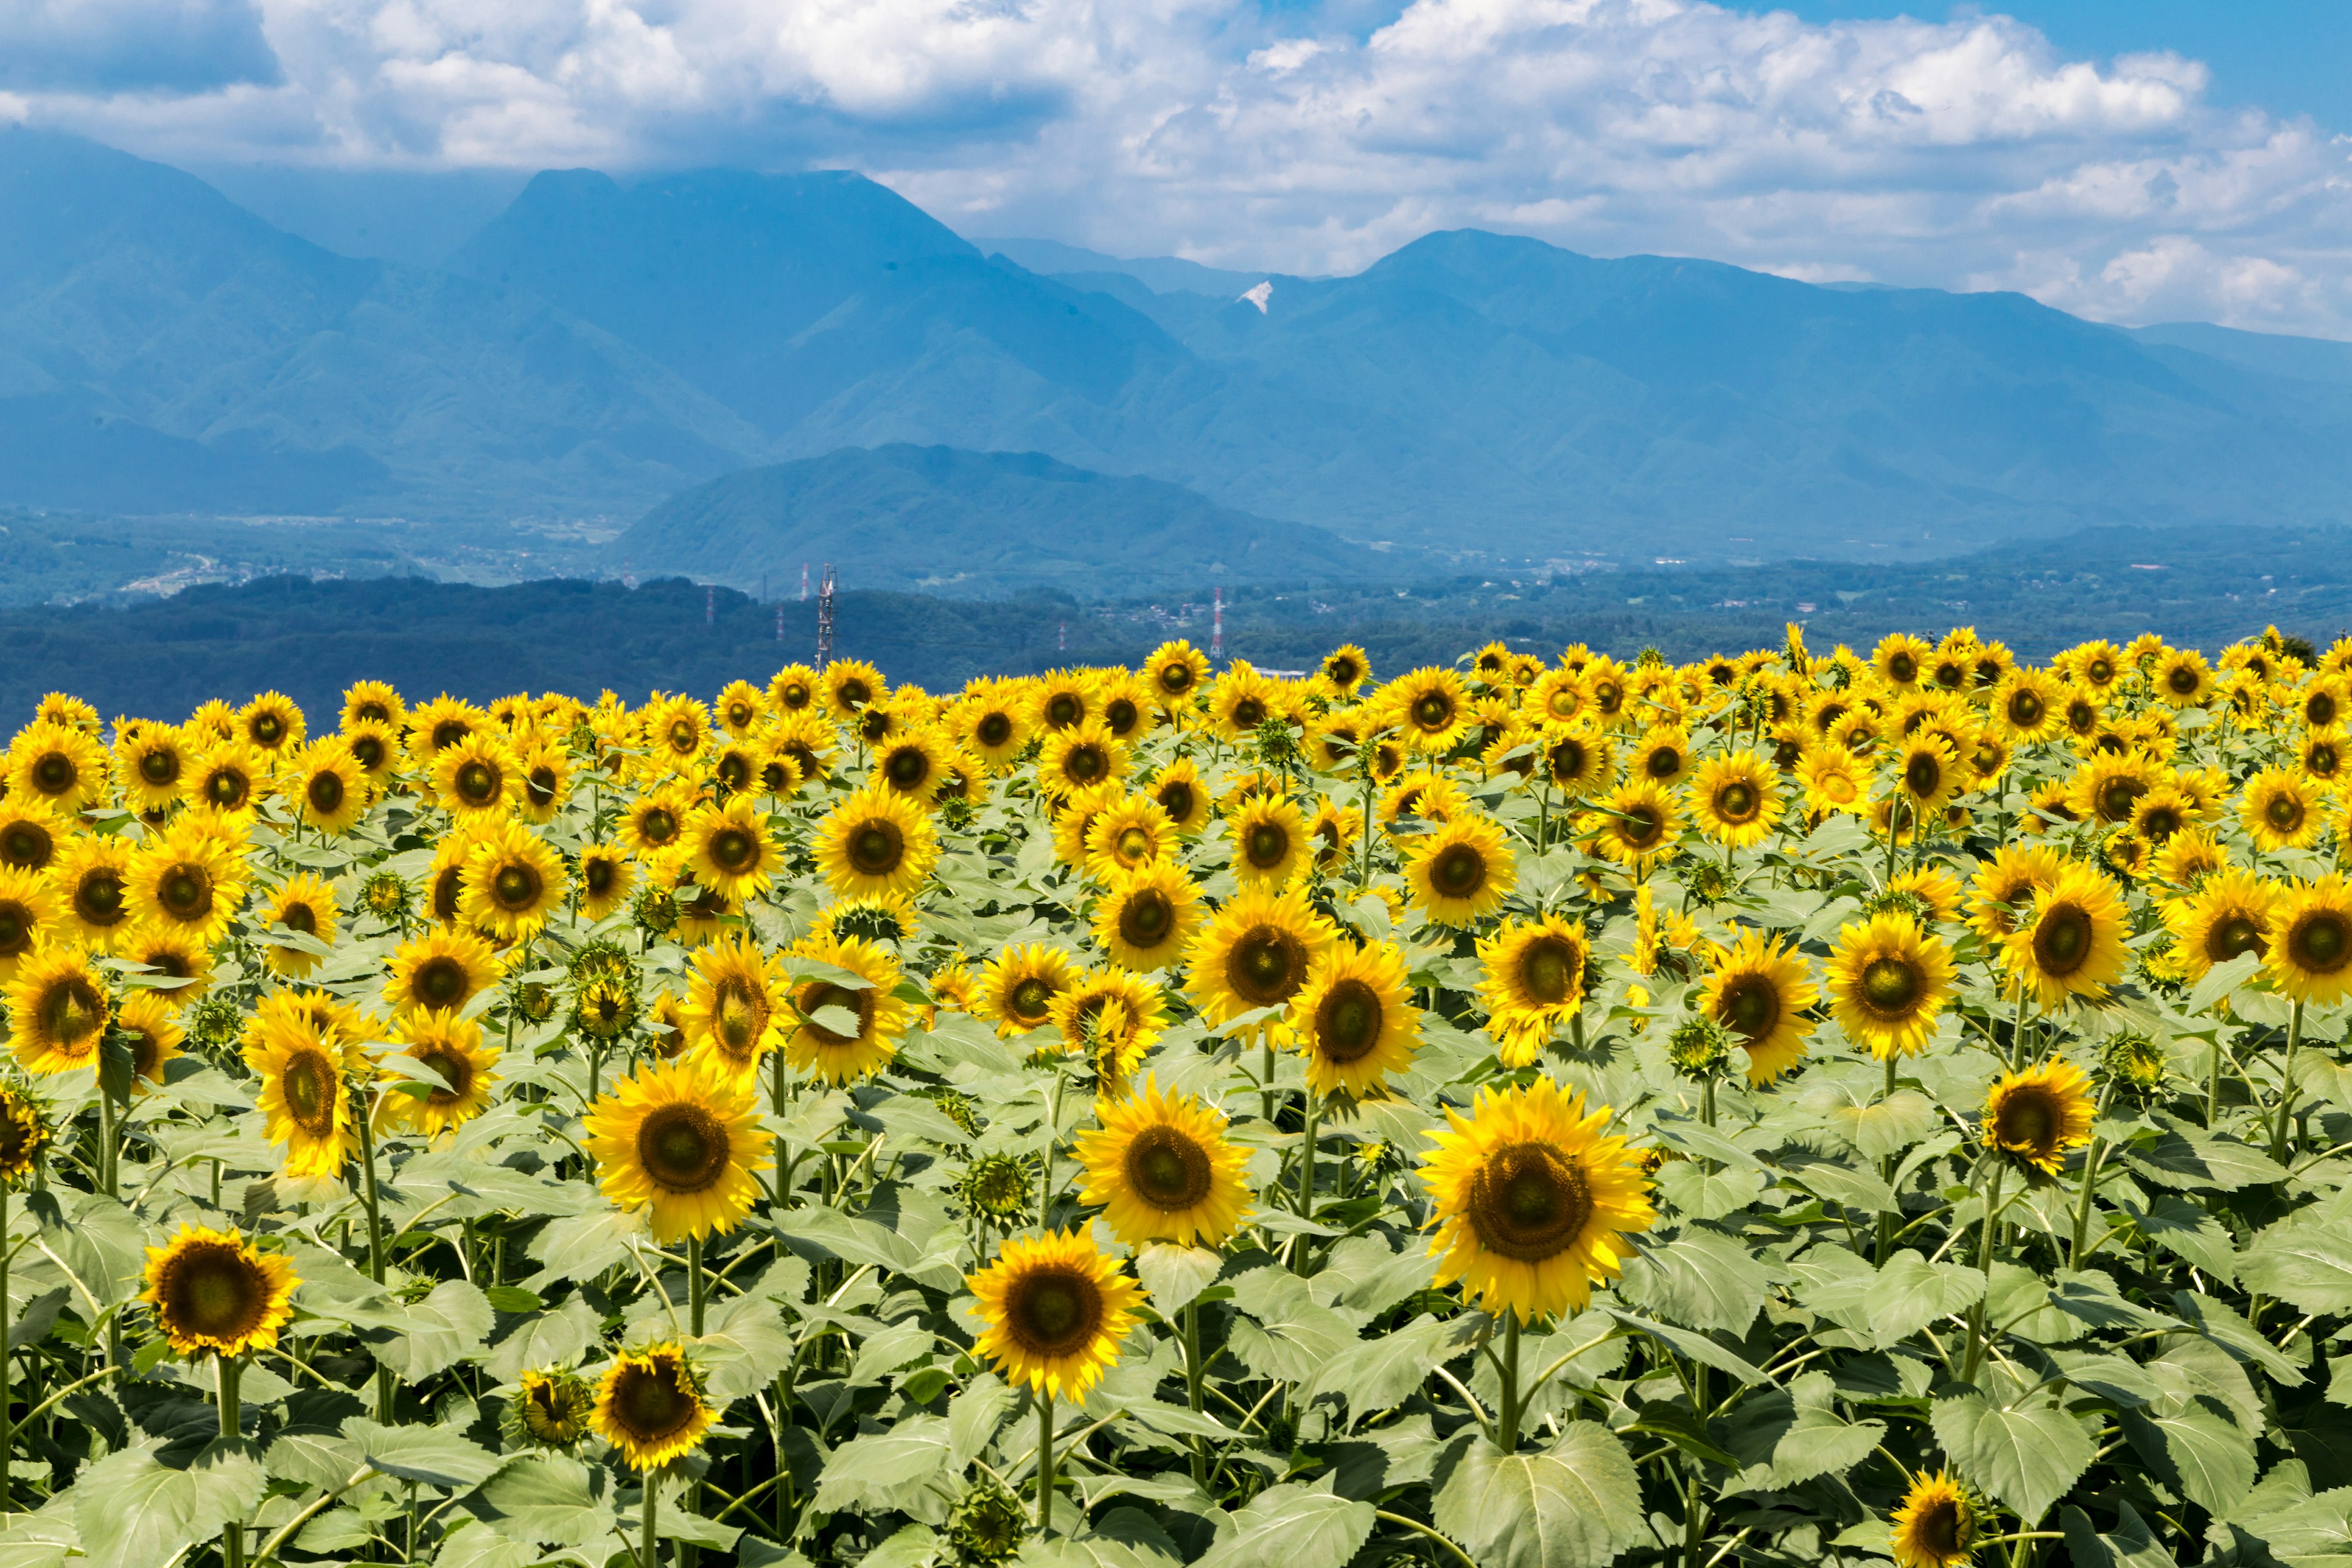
[387, 896]
[986, 1527]
[1700, 1048]
[549, 1411]
[25, 1134]
[655, 909]
[996, 1187]
[2133, 1058]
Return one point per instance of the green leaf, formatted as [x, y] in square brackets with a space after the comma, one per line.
[1885, 1127]
[743, 1345]
[2218, 1321]
[1374, 1374]
[311, 1457]
[1700, 1278]
[549, 1499]
[1696, 1346]
[513, 1299]
[1696, 1137]
[1125, 1538]
[584, 1245]
[1576, 1504]
[1787, 1437]
[472, 1545]
[2183, 1155]
[881, 1469]
[2221, 980]
[432, 1455]
[1911, 1292]
[1292, 1527]
[1175, 1275]
[1834, 1282]
[544, 1340]
[1287, 1335]
[2201, 1452]
[2186, 1231]
[1702, 1194]
[449, 1326]
[2027, 1456]
[2131, 1545]
[1835, 1182]
[131, 1512]
[2305, 1261]
[974, 1412]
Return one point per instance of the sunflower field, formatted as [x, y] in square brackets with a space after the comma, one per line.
[1532, 1114]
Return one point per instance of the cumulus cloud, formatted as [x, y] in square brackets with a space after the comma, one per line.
[1966, 153]
[107, 47]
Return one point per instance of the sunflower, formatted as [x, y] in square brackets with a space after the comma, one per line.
[1533, 1202]
[875, 919]
[1079, 757]
[913, 763]
[2279, 811]
[1270, 842]
[304, 1097]
[848, 686]
[212, 1290]
[1254, 953]
[1605, 689]
[1240, 700]
[91, 879]
[327, 786]
[730, 849]
[191, 877]
[544, 780]
[25, 1134]
[1133, 833]
[1900, 660]
[305, 904]
[649, 1406]
[153, 767]
[225, 779]
[1423, 793]
[1927, 773]
[1345, 670]
[28, 913]
[992, 723]
[2310, 954]
[551, 1409]
[2106, 788]
[2161, 813]
[676, 732]
[2004, 884]
[1937, 1527]
[440, 971]
[1061, 699]
[844, 1034]
[605, 879]
[1887, 981]
[1576, 759]
[2040, 1113]
[1430, 706]
[150, 1026]
[1534, 981]
[63, 769]
[793, 689]
[876, 842]
[1835, 780]
[168, 954]
[1662, 756]
[1017, 988]
[682, 1141]
[1558, 697]
[476, 777]
[450, 1044]
[58, 1010]
[1735, 799]
[213, 721]
[2228, 914]
[1759, 991]
[1114, 1016]
[1056, 1311]
[513, 883]
[734, 1006]
[1635, 827]
[1175, 672]
[1178, 789]
[1460, 873]
[1147, 917]
[373, 702]
[271, 723]
[29, 836]
[374, 747]
[1356, 1024]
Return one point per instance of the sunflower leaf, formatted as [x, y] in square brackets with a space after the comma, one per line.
[132, 1511]
[1576, 1504]
[2027, 1456]
[1292, 1527]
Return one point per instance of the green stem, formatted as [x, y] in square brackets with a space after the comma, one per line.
[1053, 1139]
[2091, 1163]
[367, 1193]
[697, 1288]
[1984, 1261]
[1886, 1172]
[1266, 1081]
[1506, 1426]
[1307, 1156]
[2214, 1084]
[1192, 1387]
[231, 1428]
[2287, 1086]
[106, 1136]
[648, 1504]
[1045, 1464]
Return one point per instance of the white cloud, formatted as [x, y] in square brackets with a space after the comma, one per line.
[1966, 153]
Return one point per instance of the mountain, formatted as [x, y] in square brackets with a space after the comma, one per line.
[934, 518]
[2264, 354]
[1160, 274]
[163, 350]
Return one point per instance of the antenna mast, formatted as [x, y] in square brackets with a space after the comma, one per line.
[1217, 627]
[824, 618]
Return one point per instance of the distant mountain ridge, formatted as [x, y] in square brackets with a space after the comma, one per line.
[602, 345]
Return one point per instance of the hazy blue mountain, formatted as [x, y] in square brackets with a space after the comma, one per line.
[974, 523]
[1161, 274]
[414, 216]
[163, 350]
[2264, 354]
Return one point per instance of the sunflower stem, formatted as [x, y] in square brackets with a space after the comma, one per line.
[1984, 1262]
[1886, 1173]
[1045, 1464]
[106, 1137]
[369, 1194]
[648, 1500]
[697, 1288]
[7, 1430]
[232, 1425]
[2286, 1086]
[1306, 1155]
[1053, 1138]
[1506, 1423]
[2091, 1163]
[1193, 1387]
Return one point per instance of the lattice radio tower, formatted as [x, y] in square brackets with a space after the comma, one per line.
[824, 618]
[1217, 627]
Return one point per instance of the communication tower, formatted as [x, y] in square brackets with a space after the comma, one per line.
[824, 618]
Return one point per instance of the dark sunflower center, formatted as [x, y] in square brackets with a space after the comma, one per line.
[447, 884]
[907, 767]
[1343, 672]
[515, 886]
[477, 782]
[1031, 998]
[2320, 710]
[1063, 710]
[877, 848]
[1922, 773]
[1664, 763]
[2028, 1116]
[1548, 968]
[98, 898]
[213, 1293]
[858, 1003]
[309, 1084]
[185, 891]
[1167, 1169]
[1146, 918]
[2062, 940]
[227, 788]
[1903, 667]
[1267, 965]
[16, 929]
[658, 827]
[1891, 986]
[441, 983]
[1085, 764]
[1432, 710]
[1249, 713]
[2321, 940]
[1642, 826]
[1608, 696]
[53, 775]
[2117, 795]
[1176, 800]
[2232, 935]
[652, 1402]
[159, 767]
[72, 1011]
[1132, 845]
[267, 728]
[26, 845]
[448, 732]
[682, 1147]
[1053, 1311]
[455, 1071]
[2160, 824]
[2099, 672]
[598, 874]
[1752, 1005]
[1266, 846]
[1459, 870]
[2283, 813]
[299, 917]
[2025, 709]
[540, 785]
[733, 850]
[1528, 1202]
[1735, 802]
[2182, 681]
[993, 729]
[684, 738]
[1348, 1022]
[1941, 1528]
[325, 792]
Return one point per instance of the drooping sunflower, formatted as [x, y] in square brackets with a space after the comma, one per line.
[731, 849]
[153, 767]
[1533, 1200]
[1146, 918]
[1270, 842]
[62, 768]
[681, 1141]
[1255, 953]
[1134, 833]
[191, 877]
[440, 971]
[844, 1034]
[1355, 1022]
[1888, 980]
[1636, 825]
[58, 1009]
[1534, 982]
[513, 883]
[327, 786]
[551, 1409]
[30, 836]
[28, 915]
[91, 879]
[874, 842]
[1056, 1311]
[734, 1007]
[2073, 944]
[2280, 811]
[1178, 789]
[649, 1405]
[1163, 1171]
[452, 1047]
[605, 879]
[2310, 954]
[1460, 874]
[1114, 1016]
[303, 903]
[304, 1097]
[1735, 799]
[1760, 990]
[2040, 1113]
[214, 1291]
[1937, 1527]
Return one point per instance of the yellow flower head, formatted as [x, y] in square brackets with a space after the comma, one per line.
[682, 1141]
[212, 1290]
[1534, 982]
[649, 1406]
[845, 1033]
[1888, 980]
[1163, 1171]
[1355, 1022]
[2040, 1113]
[1056, 1311]
[1760, 990]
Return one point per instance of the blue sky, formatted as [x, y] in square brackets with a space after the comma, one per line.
[2129, 160]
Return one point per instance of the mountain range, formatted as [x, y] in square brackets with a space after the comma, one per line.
[602, 346]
